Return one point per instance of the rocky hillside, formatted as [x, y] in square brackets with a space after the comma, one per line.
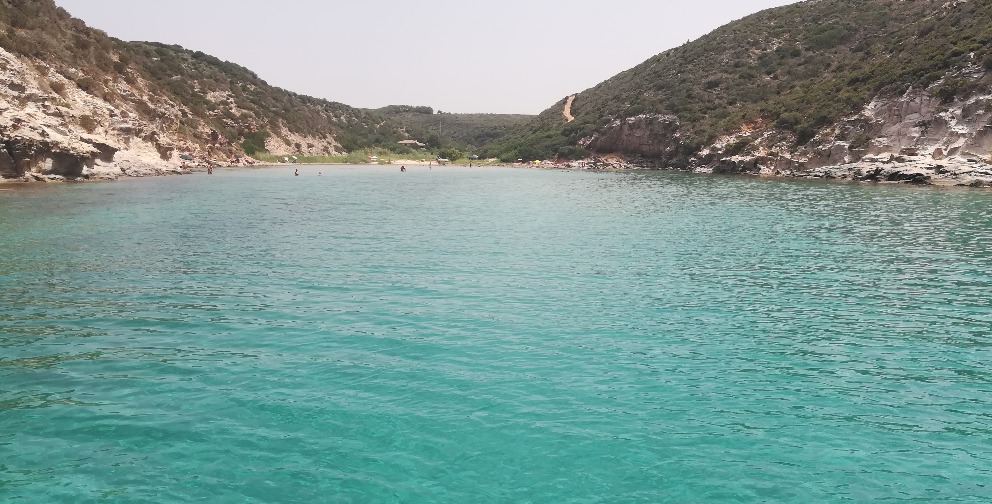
[77, 103]
[867, 89]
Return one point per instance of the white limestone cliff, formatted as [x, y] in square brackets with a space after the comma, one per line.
[50, 129]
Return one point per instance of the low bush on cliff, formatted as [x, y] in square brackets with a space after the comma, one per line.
[87, 123]
[254, 142]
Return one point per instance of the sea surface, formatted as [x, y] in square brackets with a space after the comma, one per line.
[493, 335]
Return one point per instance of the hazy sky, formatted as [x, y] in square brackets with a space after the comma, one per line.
[500, 56]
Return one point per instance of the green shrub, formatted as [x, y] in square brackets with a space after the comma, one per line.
[789, 121]
[804, 134]
[58, 87]
[987, 62]
[572, 153]
[254, 142]
[87, 123]
[860, 141]
[739, 146]
[450, 153]
[87, 84]
[948, 91]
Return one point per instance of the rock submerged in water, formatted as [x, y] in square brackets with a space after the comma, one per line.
[916, 170]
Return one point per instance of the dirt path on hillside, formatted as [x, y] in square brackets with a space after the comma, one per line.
[568, 109]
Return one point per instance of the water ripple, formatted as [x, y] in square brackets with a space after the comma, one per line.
[494, 335]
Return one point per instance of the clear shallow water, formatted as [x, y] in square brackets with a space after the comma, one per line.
[494, 336]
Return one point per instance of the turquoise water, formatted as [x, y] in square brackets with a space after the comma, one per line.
[497, 335]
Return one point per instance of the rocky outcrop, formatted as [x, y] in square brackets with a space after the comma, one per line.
[51, 129]
[903, 169]
[915, 138]
[920, 125]
[8, 168]
[648, 135]
[45, 135]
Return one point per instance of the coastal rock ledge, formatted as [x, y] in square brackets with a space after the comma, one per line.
[59, 122]
[51, 130]
[902, 169]
[916, 138]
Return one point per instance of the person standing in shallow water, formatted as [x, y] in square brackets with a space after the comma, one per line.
[296, 173]
[403, 168]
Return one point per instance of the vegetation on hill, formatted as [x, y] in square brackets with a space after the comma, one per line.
[466, 132]
[215, 95]
[798, 68]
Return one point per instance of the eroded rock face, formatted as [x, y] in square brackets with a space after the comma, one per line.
[649, 135]
[62, 164]
[49, 135]
[21, 157]
[106, 152]
[919, 124]
[8, 169]
[915, 138]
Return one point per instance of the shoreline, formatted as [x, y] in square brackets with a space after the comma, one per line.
[911, 172]
[902, 170]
